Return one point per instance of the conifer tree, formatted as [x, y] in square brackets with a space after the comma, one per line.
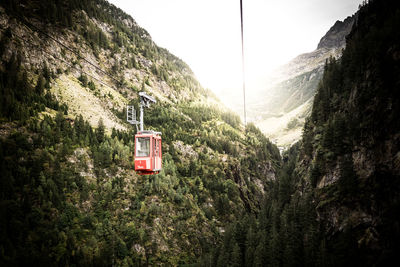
[100, 131]
[40, 85]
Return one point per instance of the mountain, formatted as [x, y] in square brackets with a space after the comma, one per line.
[68, 192]
[336, 199]
[286, 100]
[225, 196]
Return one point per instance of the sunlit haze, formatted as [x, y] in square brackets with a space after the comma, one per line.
[206, 34]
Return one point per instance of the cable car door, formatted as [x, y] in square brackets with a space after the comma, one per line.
[153, 140]
[155, 154]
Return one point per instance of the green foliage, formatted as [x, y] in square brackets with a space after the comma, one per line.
[348, 178]
[83, 79]
[27, 101]
[100, 131]
[91, 85]
[231, 119]
[83, 196]
[69, 196]
[302, 224]
[284, 232]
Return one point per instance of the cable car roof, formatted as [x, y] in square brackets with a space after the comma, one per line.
[149, 132]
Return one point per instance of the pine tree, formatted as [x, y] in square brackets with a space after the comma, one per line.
[236, 257]
[40, 85]
[100, 131]
[348, 178]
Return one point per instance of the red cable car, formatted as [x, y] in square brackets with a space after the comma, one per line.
[148, 154]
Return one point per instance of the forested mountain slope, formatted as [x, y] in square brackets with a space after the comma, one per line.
[336, 200]
[68, 192]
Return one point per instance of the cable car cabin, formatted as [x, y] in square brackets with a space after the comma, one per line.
[148, 155]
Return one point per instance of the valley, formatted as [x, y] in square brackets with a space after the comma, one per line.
[313, 181]
[280, 108]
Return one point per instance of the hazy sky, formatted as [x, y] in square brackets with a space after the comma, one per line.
[206, 33]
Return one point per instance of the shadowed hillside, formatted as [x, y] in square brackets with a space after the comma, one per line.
[336, 199]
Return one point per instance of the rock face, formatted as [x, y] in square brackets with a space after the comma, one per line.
[352, 139]
[336, 36]
[293, 85]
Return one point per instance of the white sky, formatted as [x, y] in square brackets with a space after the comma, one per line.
[206, 33]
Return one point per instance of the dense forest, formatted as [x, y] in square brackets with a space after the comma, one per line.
[336, 199]
[225, 196]
[69, 195]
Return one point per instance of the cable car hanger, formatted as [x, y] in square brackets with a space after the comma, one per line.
[148, 153]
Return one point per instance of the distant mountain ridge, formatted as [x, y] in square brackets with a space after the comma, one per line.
[331, 44]
[291, 88]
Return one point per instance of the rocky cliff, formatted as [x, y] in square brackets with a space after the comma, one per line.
[336, 36]
[351, 142]
[336, 199]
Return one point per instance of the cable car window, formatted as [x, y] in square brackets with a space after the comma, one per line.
[142, 146]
